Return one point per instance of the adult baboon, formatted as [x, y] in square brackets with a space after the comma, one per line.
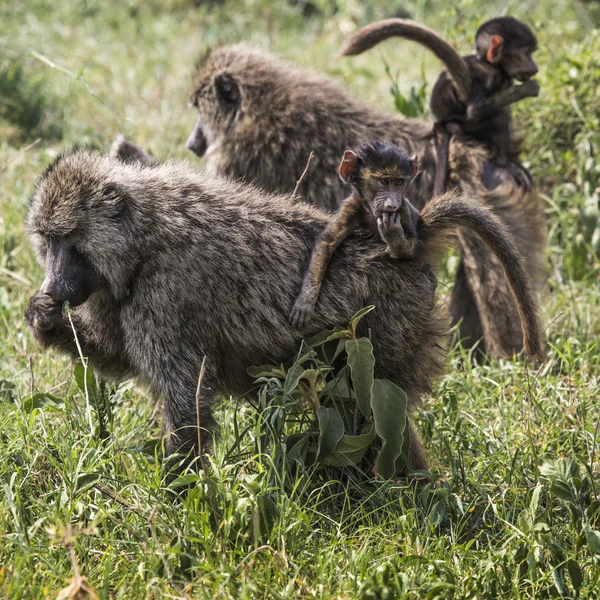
[260, 118]
[164, 266]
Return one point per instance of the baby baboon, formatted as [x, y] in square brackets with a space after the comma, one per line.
[379, 173]
[262, 126]
[165, 265]
[473, 96]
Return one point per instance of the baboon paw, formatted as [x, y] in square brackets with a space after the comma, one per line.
[393, 227]
[300, 315]
[531, 87]
[43, 314]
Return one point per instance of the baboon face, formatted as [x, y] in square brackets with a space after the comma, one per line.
[218, 99]
[70, 277]
[509, 44]
[381, 173]
[69, 221]
[520, 65]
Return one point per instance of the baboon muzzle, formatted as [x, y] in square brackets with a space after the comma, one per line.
[197, 141]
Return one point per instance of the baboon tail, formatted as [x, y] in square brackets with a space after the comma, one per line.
[439, 219]
[372, 34]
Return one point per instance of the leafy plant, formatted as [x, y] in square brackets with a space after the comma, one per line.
[412, 106]
[339, 413]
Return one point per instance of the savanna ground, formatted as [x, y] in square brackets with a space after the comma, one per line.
[512, 507]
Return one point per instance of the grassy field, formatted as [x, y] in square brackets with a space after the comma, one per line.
[512, 509]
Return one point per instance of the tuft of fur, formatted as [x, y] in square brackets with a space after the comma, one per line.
[128, 152]
[202, 266]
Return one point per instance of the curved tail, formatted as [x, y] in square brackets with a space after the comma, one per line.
[372, 34]
[439, 219]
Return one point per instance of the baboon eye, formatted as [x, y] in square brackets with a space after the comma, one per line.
[399, 181]
[385, 180]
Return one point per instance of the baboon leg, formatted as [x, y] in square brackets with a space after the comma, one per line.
[464, 310]
[442, 142]
[496, 311]
[416, 455]
[180, 423]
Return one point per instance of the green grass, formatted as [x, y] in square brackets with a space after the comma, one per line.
[512, 507]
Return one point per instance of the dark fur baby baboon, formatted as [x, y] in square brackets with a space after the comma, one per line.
[164, 266]
[380, 173]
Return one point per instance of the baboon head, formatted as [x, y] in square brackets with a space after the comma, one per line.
[79, 230]
[381, 173]
[222, 97]
[509, 44]
[252, 110]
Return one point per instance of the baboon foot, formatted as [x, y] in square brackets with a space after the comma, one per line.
[301, 314]
[494, 175]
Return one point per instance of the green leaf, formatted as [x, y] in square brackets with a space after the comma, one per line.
[358, 316]
[184, 480]
[293, 377]
[559, 581]
[575, 573]
[362, 365]
[7, 390]
[85, 380]
[562, 490]
[46, 401]
[326, 336]
[351, 448]
[535, 500]
[266, 371]
[297, 453]
[389, 414]
[593, 540]
[331, 430]
[339, 387]
[85, 482]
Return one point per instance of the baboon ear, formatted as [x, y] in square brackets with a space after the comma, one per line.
[415, 164]
[227, 88]
[494, 53]
[348, 166]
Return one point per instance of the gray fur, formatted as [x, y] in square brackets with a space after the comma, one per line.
[286, 113]
[199, 266]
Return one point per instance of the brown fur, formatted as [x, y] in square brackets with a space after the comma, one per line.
[191, 265]
[286, 112]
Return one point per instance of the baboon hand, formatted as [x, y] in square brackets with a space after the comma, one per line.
[531, 88]
[520, 175]
[301, 313]
[43, 315]
[399, 230]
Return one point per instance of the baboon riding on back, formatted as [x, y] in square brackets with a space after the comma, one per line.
[259, 119]
[165, 266]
